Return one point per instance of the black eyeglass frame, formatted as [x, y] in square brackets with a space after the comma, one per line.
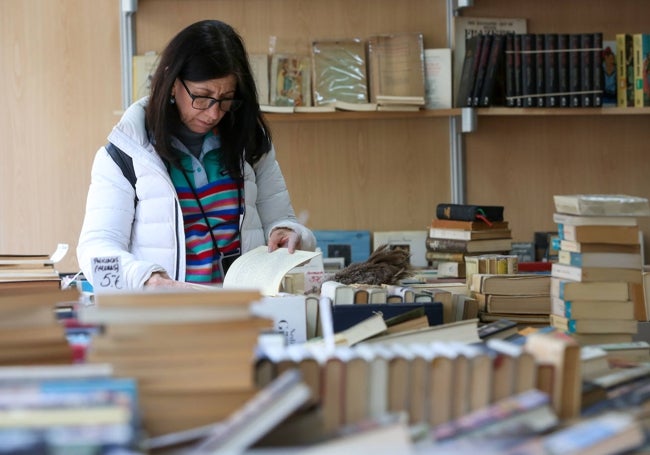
[234, 103]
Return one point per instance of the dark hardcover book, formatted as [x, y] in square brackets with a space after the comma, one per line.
[483, 56]
[629, 69]
[574, 70]
[563, 69]
[540, 76]
[468, 212]
[494, 329]
[551, 69]
[511, 88]
[492, 91]
[345, 316]
[468, 73]
[597, 71]
[528, 69]
[519, 102]
[586, 69]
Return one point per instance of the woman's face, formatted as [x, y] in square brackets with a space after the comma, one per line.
[197, 120]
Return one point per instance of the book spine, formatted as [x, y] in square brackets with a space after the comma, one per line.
[621, 71]
[540, 76]
[518, 75]
[468, 72]
[446, 245]
[629, 69]
[637, 49]
[551, 69]
[643, 85]
[484, 57]
[493, 67]
[528, 69]
[586, 69]
[574, 70]
[511, 88]
[597, 72]
[563, 69]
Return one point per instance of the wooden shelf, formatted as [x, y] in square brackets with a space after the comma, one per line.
[372, 115]
[489, 111]
[573, 111]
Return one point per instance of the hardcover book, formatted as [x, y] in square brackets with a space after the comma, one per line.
[260, 67]
[290, 80]
[574, 70]
[493, 90]
[563, 69]
[551, 85]
[624, 70]
[339, 71]
[528, 72]
[469, 212]
[396, 66]
[540, 70]
[510, 75]
[586, 69]
[483, 58]
[598, 83]
[437, 78]
[468, 246]
[467, 27]
[641, 48]
[602, 290]
[469, 70]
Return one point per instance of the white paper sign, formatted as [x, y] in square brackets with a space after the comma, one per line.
[107, 273]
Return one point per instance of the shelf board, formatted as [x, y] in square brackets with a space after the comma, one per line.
[575, 111]
[372, 115]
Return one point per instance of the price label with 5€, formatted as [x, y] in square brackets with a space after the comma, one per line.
[107, 273]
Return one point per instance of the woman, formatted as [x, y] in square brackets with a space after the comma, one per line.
[203, 156]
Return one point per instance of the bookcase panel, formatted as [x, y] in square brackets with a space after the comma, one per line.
[293, 22]
[367, 174]
[60, 72]
[521, 162]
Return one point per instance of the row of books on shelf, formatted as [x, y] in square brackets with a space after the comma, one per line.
[533, 70]
[382, 72]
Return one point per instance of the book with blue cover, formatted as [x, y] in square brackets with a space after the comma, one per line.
[351, 245]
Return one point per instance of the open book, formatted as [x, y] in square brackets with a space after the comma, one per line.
[263, 270]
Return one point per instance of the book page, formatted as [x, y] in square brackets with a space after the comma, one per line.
[263, 270]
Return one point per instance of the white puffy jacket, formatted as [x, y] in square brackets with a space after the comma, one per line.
[150, 236]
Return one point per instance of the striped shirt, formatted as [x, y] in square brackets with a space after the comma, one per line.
[203, 184]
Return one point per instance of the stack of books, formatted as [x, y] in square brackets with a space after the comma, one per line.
[522, 298]
[63, 408]
[597, 286]
[30, 333]
[190, 351]
[28, 270]
[459, 231]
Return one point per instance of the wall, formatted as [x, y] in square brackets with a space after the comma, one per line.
[60, 74]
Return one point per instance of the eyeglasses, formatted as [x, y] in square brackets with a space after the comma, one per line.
[206, 102]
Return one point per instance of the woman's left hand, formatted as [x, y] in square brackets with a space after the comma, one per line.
[284, 237]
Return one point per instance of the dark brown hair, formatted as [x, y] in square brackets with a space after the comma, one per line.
[205, 50]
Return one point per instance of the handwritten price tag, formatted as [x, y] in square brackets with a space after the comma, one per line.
[107, 273]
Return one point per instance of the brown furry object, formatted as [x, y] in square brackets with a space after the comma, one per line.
[386, 265]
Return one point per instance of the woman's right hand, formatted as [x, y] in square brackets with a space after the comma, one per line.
[162, 280]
